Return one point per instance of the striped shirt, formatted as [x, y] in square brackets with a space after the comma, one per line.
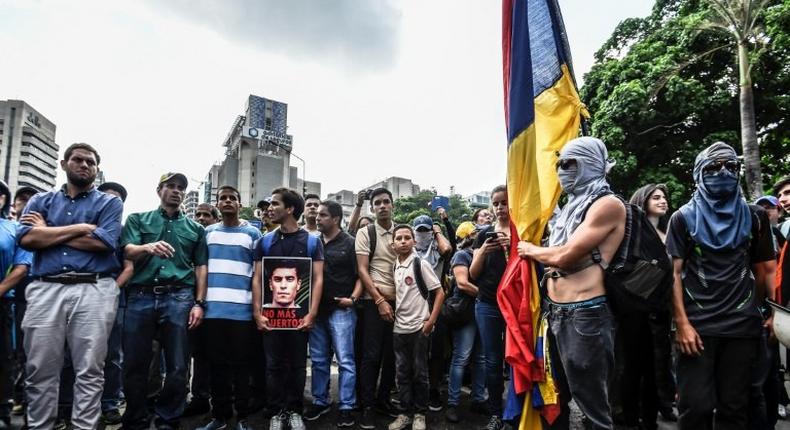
[230, 267]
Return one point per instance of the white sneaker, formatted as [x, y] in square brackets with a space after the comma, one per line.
[277, 422]
[400, 423]
[419, 422]
[295, 422]
[782, 412]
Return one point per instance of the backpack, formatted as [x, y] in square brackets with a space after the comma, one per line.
[420, 281]
[639, 278]
[371, 240]
[268, 241]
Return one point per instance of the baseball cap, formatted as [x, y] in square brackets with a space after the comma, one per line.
[422, 221]
[25, 190]
[173, 175]
[264, 203]
[767, 199]
[114, 186]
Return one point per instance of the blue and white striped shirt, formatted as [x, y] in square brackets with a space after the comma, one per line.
[231, 263]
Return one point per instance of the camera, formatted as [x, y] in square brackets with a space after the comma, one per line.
[368, 194]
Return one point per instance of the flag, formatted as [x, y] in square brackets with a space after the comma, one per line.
[542, 113]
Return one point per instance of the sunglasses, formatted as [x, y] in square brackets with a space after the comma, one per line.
[731, 165]
[566, 163]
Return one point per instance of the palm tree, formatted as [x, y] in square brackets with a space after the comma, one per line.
[738, 19]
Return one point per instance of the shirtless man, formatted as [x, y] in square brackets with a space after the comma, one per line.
[581, 338]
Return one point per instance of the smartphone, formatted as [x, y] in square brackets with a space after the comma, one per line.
[440, 201]
[491, 235]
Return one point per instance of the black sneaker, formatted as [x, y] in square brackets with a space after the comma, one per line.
[387, 409]
[196, 407]
[495, 423]
[435, 404]
[111, 417]
[480, 408]
[366, 420]
[451, 414]
[313, 412]
[345, 419]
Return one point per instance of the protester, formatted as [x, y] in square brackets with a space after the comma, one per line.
[72, 300]
[482, 217]
[715, 240]
[581, 338]
[416, 313]
[286, 350]
[311, 203]
[466, 338]
[487, 268]
[227, 323]
[334, 328]
[206, 214]
[166, 297]
[375, 265]
[14, 265]
[354, 222]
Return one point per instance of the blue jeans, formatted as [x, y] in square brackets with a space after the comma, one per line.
[162, 316]
[466, 345]
[113, 366]
[492, 330]
[334, 332]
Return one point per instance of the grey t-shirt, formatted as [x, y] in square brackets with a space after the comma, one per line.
[718, 287]
[411, 308]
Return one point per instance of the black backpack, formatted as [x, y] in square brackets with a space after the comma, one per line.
[420, 281]
[639, 278]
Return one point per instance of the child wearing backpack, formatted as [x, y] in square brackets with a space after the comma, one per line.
[416, 312]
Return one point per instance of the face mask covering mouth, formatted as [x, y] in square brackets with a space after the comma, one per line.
[567, 177]
[423, 239]
[721, 184]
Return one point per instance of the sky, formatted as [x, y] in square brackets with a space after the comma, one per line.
[375, 88]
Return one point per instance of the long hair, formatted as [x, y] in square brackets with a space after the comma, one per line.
[641, 198]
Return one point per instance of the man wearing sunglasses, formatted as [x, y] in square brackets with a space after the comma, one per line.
[720, 246]
[585, 235]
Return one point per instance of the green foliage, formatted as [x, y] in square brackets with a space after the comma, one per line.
[408, 208]
[247, 213]
[661, 90]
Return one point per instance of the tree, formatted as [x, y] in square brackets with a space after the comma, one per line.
[661, 90]
[408, 208]
[739, 20]
[247, 213]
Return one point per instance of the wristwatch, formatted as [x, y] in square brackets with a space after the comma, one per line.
[201, 303]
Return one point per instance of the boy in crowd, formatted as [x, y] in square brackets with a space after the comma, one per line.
[414, 322]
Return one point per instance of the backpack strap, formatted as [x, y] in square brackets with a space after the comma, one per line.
[268, 241]
[371, 240]
[312, 244]
[419, 279]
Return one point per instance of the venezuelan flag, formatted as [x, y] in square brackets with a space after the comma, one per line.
[542, 113]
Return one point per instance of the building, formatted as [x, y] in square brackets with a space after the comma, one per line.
[347, 199]
[191, 202]
[257, 154]
[480, 199]
[28, 152]
[399, 187]
[100, 179]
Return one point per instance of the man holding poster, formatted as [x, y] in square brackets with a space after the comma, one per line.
[288, 259]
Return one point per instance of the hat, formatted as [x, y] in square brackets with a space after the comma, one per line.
[422, 221]
[264, 203]
[114, 186]
[172, 175]
[771, 200]
[24, 190]
[465, 229]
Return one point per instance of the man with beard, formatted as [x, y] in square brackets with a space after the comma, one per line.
[73, 233]
[590, 225]
[719, 247]
[166, 297]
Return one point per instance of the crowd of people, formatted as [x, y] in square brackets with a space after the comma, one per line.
[177, 317]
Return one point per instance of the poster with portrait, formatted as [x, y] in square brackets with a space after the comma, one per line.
[286, 290]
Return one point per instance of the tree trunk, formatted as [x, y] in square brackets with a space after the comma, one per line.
[751, 150]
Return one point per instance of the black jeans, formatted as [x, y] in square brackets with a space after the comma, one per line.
[718, 379]
[438, 361]
[377, 357]
[661, 329]
[581, 344]
[229, 366]
[411, 362]
[637, 384]
[200, 386]
[286, 369]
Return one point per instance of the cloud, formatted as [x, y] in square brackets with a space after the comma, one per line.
[357, 35]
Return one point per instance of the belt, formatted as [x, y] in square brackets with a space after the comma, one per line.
[591, 303]
[73, 279]
[159, 289]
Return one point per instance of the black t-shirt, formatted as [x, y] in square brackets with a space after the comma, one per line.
[288, 245]
[340, 271]
[718, 287]
[461, 258]
[493, 269]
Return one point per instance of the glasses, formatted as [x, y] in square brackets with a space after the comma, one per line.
[714, 167]
[566, 163]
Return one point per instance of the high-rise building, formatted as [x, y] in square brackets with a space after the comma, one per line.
[28, 152]
[480, 199]
[399, 187]
[257, 154]
[191, 202]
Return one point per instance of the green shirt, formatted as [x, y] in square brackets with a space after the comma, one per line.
[185, 235]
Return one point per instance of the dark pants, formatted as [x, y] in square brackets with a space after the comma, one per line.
[258, 370]
[491, 326]
[165, 317]
[20, 358]
[411, 363]
[377, 357]
[764, 392]
[113, 365]
[581, 343]
[200, 387]
[718, 379]
[438, 362]
[638, 392]
[286, 369]
[773, 385]
[229, 365]
[661, 329]
[7, 332]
